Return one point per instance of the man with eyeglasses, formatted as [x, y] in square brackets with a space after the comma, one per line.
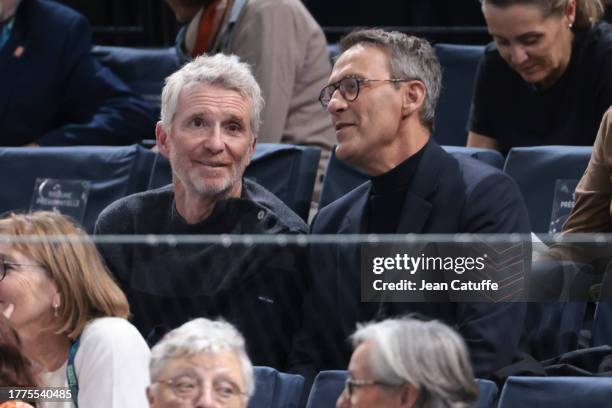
[382, 96]
[203, 363]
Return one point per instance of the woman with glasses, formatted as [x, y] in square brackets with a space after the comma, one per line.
[202, 363]
[408, 363]
[547, 79]
[69, 314]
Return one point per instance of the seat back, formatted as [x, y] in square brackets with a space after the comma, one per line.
[537, 169]
[556, 392]
[113, 172]
[326, 389]
[459, 65]
[488, 394]
[274, 389]
[340, 178]
[144, 70]
[288, 171]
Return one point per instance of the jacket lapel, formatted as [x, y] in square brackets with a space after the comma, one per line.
[417, 205]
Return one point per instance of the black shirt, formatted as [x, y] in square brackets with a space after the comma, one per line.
[517, 113]
[388, 194]
[258, 288]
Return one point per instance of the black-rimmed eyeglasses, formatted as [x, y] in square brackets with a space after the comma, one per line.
[351, 384]
[349, 88]
[8, 265]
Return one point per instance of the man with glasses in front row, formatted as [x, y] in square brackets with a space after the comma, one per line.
[202, 363]
[382, 96]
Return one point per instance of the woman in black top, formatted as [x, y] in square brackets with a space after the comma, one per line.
[547, 79]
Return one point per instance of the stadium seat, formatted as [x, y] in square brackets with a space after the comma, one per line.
[340, 178]
[536, 170]
[142, 69]
[113, 172]
[328, 386]
[556, 392]
[459, 64]
[488, 394]
[288, 171]
[274, 389]
[326, 389]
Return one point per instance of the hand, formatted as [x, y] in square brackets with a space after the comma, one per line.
[8, 310]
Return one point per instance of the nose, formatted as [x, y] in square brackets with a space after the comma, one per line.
[213, 141]
[343, 400]
[337, 103]
[518, 55]
[206, 399]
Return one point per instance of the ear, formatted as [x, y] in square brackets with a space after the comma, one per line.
[150, 396]
[161, 139]
[409, 396]
[413, 97]
[57, 299]
[251, 151]
[570, 12]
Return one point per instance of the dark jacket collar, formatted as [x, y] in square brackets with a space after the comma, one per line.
[417, 205]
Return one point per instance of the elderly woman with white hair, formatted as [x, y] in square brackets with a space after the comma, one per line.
[408, 363]
[202, 363]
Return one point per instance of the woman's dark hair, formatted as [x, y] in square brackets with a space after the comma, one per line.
[16, 370]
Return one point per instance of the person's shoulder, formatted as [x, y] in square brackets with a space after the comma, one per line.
[475, 172]
[284, 215]
[136, 204]
[112, 332]
[328, 218]
[57, 12]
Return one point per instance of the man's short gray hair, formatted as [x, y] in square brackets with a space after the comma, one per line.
[409, 57]
[226, 71]
[429, 355]
[201, 336]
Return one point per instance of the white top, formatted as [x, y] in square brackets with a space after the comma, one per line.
[112, 367]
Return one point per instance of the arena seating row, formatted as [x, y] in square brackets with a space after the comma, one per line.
[144, 70]
[274, 389]
[288, 171]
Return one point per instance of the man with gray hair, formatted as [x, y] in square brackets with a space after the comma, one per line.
[382, 96]
[200, 354]
[210, 117]
[408, 363]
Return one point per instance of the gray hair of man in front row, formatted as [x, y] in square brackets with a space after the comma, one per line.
[429, 355]
[201, 336]
[225, 71]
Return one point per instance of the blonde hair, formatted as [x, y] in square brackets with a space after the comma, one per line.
[74, 264]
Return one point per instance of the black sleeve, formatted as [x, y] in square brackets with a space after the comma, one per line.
[96, 106]
[481, 119]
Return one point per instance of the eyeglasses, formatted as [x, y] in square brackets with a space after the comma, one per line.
[7, 265]
[188, 387]
[351, 384]
[349, 88]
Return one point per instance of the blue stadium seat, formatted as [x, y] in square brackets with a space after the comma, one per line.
[556, 392]
[536, 170]
[488, 394]
[113, 172]
[340, 178]
[274, 389]
[142, 69]
[326, 389]
[288, 171]
[602, 324]
[459, 64]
